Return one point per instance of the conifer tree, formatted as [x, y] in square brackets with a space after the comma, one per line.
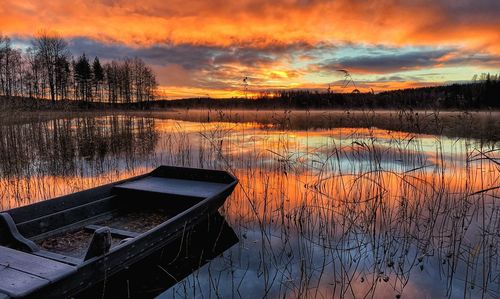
[83, 78]
[97, 78]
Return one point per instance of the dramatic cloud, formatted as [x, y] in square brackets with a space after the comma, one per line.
[387, 63]
[260, 22]
[400, 60]
[207, 46]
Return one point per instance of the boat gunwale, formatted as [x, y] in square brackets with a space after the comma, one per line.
[19, 218]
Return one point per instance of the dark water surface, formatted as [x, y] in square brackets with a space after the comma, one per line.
[361, 207]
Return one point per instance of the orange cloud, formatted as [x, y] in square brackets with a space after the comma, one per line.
[258, 22]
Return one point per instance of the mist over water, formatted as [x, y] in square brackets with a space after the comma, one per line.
[364, 206]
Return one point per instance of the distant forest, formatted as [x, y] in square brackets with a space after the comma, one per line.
[47, 70]
[482, 93]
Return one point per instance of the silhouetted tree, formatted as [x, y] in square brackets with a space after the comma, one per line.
[63, 75]
[4, 63]
[11, 66]
[83, 79]
[51, 48]
[97, 78]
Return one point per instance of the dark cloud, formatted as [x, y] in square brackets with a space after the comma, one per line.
[188, 56]
[191, 56]
[402, 60]
[386, 63]
[398, 79]
[475, 59]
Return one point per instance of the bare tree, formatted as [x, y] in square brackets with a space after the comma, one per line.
[5, 68]
[52, 49]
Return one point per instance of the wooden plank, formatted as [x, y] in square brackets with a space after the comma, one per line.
[115, 232]
[46, 207]
[190, 188]
[38, 226]
[34, 265]
[16, 283]
[58, 204]
[195, 174]
[58, 257]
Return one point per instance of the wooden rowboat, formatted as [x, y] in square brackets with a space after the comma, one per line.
[62, 246]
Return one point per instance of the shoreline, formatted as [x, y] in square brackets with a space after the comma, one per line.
[482, 125]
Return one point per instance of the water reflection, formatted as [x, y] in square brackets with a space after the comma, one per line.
[61, 146]
[43, 159]
[349, 212]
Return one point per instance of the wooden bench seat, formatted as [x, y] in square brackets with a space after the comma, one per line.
[114, 231]
[187, 188]
[23, 273]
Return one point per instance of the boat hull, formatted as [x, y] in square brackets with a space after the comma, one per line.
[194, 196]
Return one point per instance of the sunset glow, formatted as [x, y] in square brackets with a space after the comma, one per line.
[206, 48]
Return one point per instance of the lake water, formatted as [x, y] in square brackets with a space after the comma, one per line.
[353, 205]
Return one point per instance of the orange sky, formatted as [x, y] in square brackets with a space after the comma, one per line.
[207, 47]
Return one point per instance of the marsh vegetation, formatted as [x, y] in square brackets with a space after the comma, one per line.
[349, 205]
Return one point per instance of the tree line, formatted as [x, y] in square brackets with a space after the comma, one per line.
[483, 92]
[47, 70]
